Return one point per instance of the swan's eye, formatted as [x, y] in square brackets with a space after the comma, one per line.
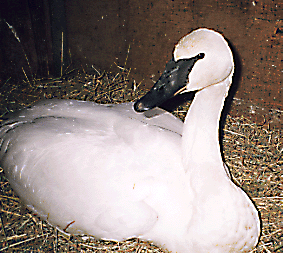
[200, 56]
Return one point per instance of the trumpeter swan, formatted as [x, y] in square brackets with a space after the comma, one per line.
[113, 173]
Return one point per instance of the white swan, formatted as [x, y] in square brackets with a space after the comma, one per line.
[115, 174]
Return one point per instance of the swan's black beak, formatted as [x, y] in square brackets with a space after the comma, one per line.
[174, 79]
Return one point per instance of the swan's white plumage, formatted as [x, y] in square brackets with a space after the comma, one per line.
[52, 153]
[112, 173]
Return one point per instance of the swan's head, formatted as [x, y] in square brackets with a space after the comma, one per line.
[201, 58]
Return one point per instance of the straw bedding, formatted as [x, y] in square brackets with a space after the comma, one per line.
[253, 153]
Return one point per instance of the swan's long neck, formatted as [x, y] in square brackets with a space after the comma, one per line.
[200, 138]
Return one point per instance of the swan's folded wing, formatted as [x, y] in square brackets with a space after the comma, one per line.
[82, 167]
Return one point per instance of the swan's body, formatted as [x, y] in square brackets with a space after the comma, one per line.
[115, 174]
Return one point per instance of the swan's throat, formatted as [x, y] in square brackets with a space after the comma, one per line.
[201, 129]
